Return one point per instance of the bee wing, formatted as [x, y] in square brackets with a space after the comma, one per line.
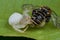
[55, 19]
[27, 6]
[27, 9]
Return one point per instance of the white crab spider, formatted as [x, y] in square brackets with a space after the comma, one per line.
[18, 21]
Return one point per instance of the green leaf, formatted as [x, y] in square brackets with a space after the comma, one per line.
[48, 32]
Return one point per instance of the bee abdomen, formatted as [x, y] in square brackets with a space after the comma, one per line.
[37, 17]
[40, 14]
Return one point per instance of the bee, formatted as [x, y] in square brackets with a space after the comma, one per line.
[40, 15]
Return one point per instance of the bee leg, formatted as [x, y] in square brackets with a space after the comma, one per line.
[48, 18]
[42, 24]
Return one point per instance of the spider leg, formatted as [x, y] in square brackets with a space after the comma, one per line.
[19, 29]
